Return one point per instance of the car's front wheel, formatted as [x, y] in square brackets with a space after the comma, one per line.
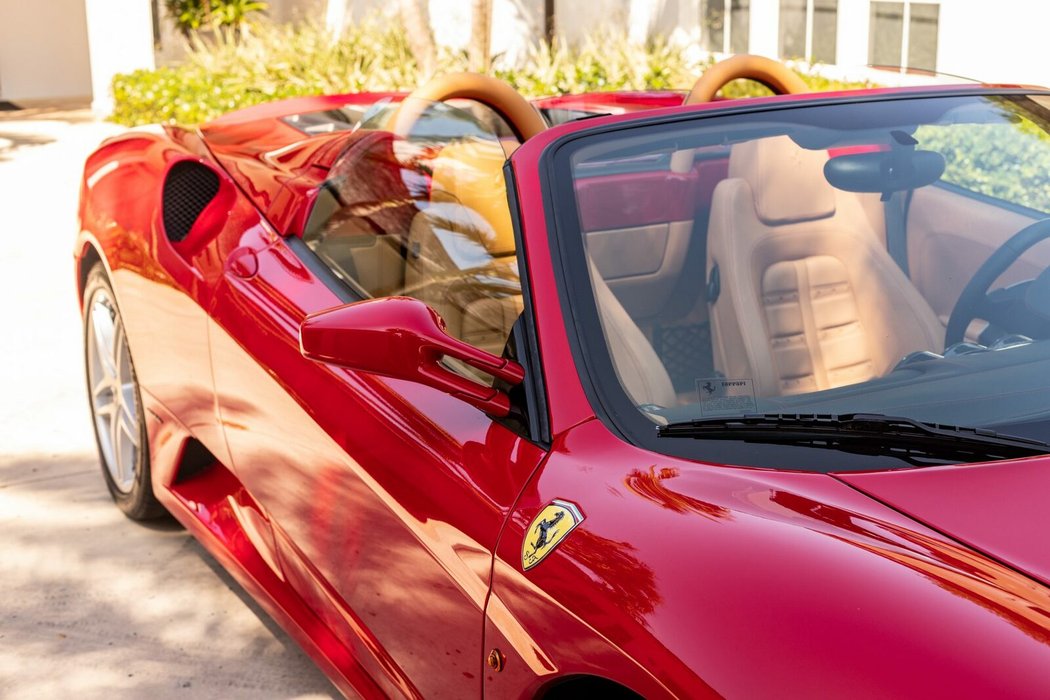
[116, 404]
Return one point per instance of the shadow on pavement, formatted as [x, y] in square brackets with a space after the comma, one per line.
[95, 605]
[11, 141]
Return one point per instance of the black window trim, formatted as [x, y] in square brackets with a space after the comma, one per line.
[535, 384]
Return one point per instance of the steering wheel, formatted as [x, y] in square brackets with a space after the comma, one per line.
[974, 298]
[521, 116]
[774, 75]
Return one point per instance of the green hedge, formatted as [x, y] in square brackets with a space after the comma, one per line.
[270, 61]
[1010, 160]
[264, 63]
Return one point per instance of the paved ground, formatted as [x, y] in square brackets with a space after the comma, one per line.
[92, 604]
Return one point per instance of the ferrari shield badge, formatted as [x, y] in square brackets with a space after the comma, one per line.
[552, 525]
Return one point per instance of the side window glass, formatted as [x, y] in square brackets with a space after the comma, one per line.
[983, 158]
[417, 206]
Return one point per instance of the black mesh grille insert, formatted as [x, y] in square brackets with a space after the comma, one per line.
[188, 189]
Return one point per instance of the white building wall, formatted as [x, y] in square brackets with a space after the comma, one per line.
[43, 50]
[639, 19]
[516, 26]
[765, 32]
[120, 40]
[450, 20]
[853, 24]
[995, 42]
[1000, 42]
[575, 19]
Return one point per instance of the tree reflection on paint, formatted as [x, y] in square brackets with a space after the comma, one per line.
[650, 486]
[614, 566]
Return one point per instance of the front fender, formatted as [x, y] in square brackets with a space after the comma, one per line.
[686, 580]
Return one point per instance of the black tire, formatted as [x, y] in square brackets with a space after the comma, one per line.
[125, 462]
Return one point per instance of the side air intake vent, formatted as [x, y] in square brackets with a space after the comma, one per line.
[188, 189]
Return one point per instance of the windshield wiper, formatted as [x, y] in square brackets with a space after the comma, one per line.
[866, 433]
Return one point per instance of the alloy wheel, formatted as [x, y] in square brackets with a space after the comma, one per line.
[114, 399]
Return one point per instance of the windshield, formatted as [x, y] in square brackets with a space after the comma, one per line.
[883, 257]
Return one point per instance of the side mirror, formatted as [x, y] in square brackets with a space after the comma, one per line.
[404, 338]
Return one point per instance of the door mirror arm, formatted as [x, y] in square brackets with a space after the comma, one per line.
[404, 338]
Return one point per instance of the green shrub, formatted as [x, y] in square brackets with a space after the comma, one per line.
[194, 15]
[273, 61]
[604, 61]
[270, 62]
[1010, 161]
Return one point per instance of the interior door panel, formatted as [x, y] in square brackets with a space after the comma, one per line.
[951, 234]
[639, 228]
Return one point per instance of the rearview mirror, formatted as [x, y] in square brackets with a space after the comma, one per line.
[404, 338]
[884, 171]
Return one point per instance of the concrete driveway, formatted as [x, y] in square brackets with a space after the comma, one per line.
[92, 604]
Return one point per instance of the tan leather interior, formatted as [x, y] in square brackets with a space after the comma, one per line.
[809, 299]
[375, 262]
[349, 223]
[453, 249]
[466, 231]
[471, 172]
[950, 235]
[773, 74]
[641, 264]
[637, 365]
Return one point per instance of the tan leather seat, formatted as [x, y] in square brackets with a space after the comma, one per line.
[808, 298]
[461, 246]
[638, 367]
[467, 226]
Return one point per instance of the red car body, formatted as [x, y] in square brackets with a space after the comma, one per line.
[381, 521]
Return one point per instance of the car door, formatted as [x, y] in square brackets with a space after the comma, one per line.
[380, 500]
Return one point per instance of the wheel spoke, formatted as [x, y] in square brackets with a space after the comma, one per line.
[117, 467]
[128, 425]
[127, 397]
[125, 454]
[106, 406]
[102, 326]
[114, 396]
[120, 351]
[101, 388]
[104, 428]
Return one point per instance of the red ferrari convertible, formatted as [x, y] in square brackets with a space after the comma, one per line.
[606, 395]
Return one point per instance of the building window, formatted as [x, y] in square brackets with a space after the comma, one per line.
[809, 30]
[726, 25]
[904, 34]
[922, 35]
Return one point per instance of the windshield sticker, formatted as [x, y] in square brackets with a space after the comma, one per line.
[720, 396]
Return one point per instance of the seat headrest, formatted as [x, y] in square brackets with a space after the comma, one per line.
[471, 174]
[787, 181]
